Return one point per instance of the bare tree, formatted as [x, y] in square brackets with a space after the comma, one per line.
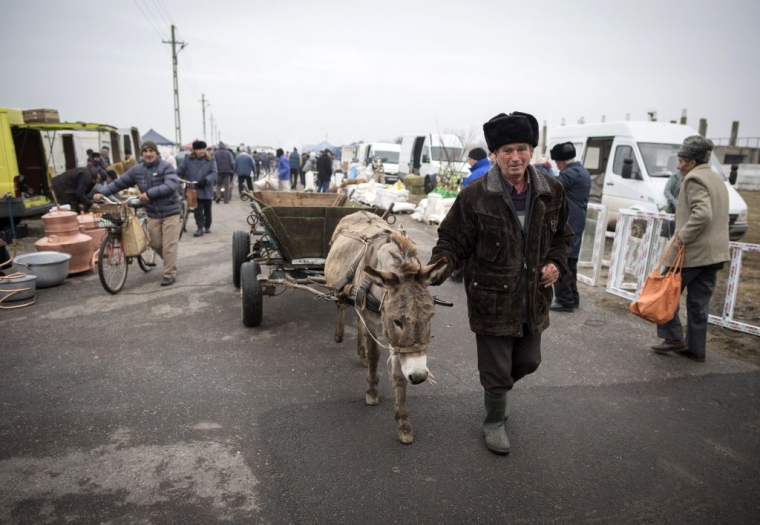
[454, 160]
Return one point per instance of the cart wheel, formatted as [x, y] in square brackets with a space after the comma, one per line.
[241, 247]
[253, 304]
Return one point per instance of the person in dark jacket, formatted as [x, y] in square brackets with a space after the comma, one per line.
[577, 183]
[95, 166]
[225, 165]
[105, 156]
[295, 168]
[200, 167]
[324, 171]
[477, 158]
[245, 167]
[510, 230]
[73, 187]
[158, 183]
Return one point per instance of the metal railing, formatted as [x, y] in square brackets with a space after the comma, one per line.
[741, 142]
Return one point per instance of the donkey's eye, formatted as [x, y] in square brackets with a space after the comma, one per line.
[399, 324]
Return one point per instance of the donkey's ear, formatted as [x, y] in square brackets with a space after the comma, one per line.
[434, 273]
[381, 277]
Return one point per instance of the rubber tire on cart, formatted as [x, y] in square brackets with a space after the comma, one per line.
[253, 303]
[241, 247]
[430, 183]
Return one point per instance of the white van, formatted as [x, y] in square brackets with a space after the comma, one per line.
[388, 153]
[630, 163]
[429, 155]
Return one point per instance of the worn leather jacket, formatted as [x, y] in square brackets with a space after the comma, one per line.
[503, 262]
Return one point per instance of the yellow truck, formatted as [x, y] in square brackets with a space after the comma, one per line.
[31, 153]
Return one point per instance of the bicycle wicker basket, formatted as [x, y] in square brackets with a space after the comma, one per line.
[111, 210]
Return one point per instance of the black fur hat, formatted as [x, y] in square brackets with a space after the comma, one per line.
[508, 129]
[564, 151]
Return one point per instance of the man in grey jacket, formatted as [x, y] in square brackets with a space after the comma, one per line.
[158, 183]
[702, 226]
[200, 167]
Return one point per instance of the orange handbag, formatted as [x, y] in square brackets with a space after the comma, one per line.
[659, 299]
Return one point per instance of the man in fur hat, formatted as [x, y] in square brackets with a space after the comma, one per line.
[702, 226]
[510, 230]
[577, 183]
[200, 167]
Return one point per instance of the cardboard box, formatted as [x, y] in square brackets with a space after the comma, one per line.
[40, 115]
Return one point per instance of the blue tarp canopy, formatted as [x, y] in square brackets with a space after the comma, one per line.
[159, 139]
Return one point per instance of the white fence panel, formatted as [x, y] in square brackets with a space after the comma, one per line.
[592, 244]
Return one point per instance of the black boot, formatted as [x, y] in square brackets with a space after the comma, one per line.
[493, 426]
[198, 232]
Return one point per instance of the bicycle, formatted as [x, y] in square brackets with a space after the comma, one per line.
[184, 205]
[113, 264]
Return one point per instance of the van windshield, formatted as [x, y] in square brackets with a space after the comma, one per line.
[661, 160]
[388, 156]
[442, 153]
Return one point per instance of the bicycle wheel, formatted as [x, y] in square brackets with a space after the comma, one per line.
[183, 211]
[112, 263]
[147, 259]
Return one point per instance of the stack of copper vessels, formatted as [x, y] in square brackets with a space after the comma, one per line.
[63, 235]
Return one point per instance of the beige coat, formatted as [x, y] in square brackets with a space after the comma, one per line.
[702, 217]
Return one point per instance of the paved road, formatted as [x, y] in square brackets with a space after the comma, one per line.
[158, 406]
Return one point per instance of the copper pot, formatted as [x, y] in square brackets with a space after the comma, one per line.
[61, 223]
[77, 245]
[88, 224]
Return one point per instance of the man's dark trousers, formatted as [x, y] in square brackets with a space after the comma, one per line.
[700, 284]
[566, 289]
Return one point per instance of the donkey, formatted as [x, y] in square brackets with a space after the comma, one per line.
[377, 270]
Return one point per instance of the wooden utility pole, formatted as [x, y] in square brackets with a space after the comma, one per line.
[175, 52]
[204, 103]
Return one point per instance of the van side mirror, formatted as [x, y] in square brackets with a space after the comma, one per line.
[627, 168]
[734, 174]
[425, 159]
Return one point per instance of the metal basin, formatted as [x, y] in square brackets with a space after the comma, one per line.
[8, 286]
[51, 268]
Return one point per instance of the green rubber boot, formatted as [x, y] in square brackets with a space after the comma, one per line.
[493, 426]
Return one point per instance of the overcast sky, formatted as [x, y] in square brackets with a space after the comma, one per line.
[292, 72]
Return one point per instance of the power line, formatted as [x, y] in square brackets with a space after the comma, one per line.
[152, 16]
[160, 12]
[163, 6]
[158, 32]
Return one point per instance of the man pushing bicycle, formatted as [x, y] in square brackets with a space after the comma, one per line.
[157, 181]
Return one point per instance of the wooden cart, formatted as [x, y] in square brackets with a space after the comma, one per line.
[289, 234]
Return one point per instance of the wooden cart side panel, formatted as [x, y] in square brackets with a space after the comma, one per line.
[300, 199]
[278, 231]
[305, 231]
